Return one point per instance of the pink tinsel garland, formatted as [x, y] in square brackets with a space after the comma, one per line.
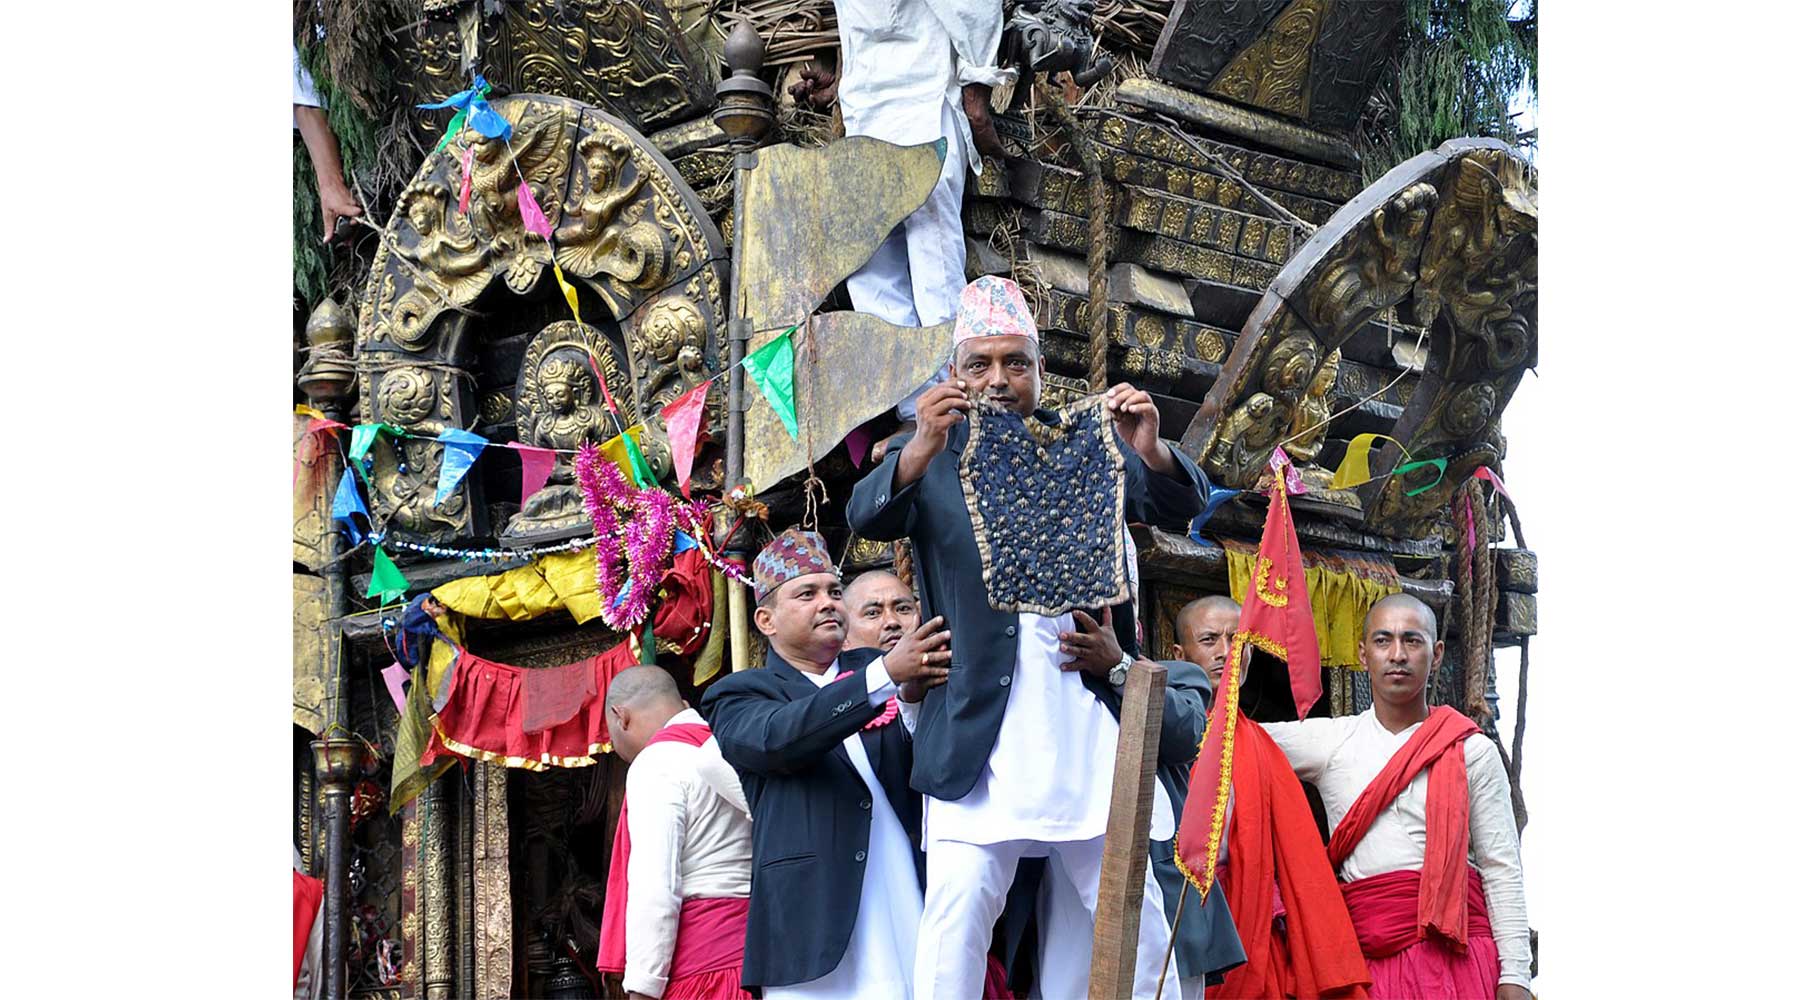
[634, 531]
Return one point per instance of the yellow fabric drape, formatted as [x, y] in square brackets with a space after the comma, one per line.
[1341, 586]
[559, 581]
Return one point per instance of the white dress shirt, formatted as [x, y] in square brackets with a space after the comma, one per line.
[1342, 756]
[690, 839]
[902, 60]
[1049, 776]
[878, 961]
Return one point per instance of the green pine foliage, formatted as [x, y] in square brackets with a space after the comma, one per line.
[1457, 69]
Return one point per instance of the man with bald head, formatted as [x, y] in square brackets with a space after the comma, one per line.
[882, 610]
[1203, 631]
[1422, 833]
[677, 903]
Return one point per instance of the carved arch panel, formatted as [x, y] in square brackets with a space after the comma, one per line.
[631, 236]
[1449, 240]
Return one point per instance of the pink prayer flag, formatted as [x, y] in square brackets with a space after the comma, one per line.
[857, 443]
[1469, 520]
[468, 163]
[1280, 462]
[534, 468]
[682, 418]
[1491, 476]
[530, 214]
[395, 675]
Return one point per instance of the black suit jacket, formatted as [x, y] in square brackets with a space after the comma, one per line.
[810, 810]
[961, 718]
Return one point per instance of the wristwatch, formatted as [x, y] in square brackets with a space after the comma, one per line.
[1116, 676]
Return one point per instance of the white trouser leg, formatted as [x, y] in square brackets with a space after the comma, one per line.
[937, 258]
[1076, 867]
[965, 889]
[883, 286]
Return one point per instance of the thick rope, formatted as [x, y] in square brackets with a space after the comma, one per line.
[1476, 596]
[1099, 236]
[903, 563]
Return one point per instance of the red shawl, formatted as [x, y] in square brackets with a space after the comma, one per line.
[1443, 883]
[612, 915]
[309, 894]
[1273, 840]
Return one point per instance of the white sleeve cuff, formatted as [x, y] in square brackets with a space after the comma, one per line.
[650, 986]
[992, 76]
[881, 686]
[909, 714]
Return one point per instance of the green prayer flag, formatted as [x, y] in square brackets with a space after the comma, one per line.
[455, 126]
[647, 645]
[386, 581]
[640, 469]
[772, 366]
[362, 436]
[1439, 463]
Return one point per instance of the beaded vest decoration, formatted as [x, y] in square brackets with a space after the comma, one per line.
[1047, 500]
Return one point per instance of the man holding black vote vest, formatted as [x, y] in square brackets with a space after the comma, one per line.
[1016, 508]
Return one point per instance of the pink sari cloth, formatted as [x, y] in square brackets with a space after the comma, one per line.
[1404, 965]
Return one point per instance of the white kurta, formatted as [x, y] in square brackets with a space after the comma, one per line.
[1049, 776]
[877, 964]
[1342, 756]
[690, 839]
[1046, 792]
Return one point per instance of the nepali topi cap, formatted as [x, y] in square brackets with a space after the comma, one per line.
[993, 307]
[792, 554]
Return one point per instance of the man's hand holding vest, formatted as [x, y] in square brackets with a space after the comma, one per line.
[921, 660]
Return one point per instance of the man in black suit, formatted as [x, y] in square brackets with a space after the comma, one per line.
[835, 888]
[1014, 756]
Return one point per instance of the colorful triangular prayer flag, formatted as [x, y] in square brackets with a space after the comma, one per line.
[1354, 469]
[460, 449]
[347, 501]
[468, 164]
[530, 214]
[535, 465]
[1440, 463]
[640, 469]
[386, 581]
[682, 420]
[1493, 477]
[772, 367]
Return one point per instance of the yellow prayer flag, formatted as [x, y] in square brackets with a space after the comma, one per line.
[306, 411]
[615, 452]
[1354, 469]
[568, 291]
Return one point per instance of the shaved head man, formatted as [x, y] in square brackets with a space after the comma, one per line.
[1396, 778]
[681, 853]
[882, 610]
[639, 702]
[1203, 630]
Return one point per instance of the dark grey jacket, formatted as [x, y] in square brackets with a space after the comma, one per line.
[1209, 943]
[961, 718]
[810, 810]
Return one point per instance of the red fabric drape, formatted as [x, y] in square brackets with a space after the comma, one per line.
[612, 915]
[1273, 839]
[1443, 904]
[309, 895]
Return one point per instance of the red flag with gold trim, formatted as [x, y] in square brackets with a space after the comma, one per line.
[1277, 618]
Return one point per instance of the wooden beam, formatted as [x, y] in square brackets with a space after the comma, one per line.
[1127, 854]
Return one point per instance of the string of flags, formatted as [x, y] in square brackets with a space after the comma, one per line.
[1351, 472]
